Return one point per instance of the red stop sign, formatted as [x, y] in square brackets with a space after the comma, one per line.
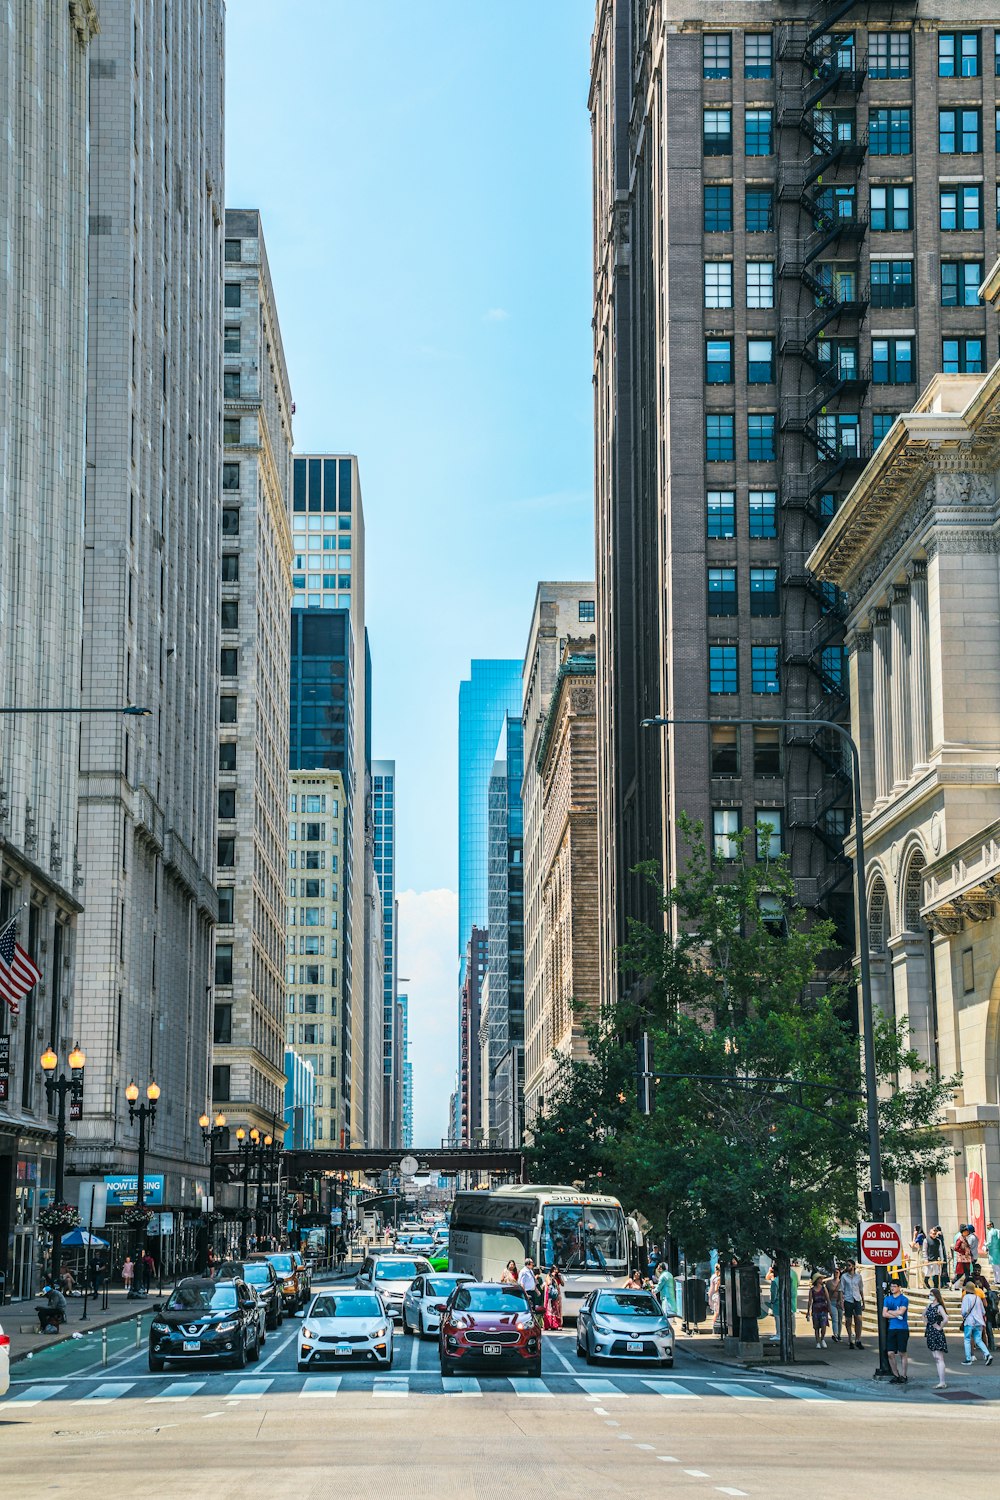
[880, 1244]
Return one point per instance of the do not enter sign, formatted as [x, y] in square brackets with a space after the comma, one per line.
[880, 1244]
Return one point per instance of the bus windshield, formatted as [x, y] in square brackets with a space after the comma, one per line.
[579, 1236]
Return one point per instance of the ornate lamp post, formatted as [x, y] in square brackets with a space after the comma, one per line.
[263, 1158]
[212, 1131]
[246, 1146]
[58, 1088]
[146, 1115]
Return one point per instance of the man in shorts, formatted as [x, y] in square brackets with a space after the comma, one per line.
[854, 1303]
[895, 1310]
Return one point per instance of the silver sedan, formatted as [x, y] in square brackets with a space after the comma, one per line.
[425, 1301]
[623, 1325]
[342, 1326]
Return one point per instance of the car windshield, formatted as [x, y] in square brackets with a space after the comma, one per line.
[628, 1304]
[400, 1270]
[256, 1275]
[202, 1299]
[575, 1235]
[441, 1286]
[283, 1264]
[346, 1307]
[499, 1299]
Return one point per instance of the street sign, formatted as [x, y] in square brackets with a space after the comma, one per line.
[408, 1166]
[94, 1204]
[879, 1244]
[336, 1217]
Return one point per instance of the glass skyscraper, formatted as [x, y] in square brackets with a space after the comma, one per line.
[383, 817]
[403, 1002]
[485, 698]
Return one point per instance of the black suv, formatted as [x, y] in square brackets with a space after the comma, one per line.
[205, 1320]
[261, 1275]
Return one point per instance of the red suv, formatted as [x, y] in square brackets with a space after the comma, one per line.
[485, 1323]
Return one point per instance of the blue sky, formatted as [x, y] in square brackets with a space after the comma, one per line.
[423, 173]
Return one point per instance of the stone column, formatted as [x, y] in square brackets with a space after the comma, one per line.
[882, 656]
[920, 698]
[900, 683]
[859, 655]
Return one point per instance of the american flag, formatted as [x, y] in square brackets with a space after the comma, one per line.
[18, 973]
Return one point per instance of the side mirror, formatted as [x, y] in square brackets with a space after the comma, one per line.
[157, 1306]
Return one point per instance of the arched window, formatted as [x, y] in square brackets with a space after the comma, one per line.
[913, 893]
[878, 934]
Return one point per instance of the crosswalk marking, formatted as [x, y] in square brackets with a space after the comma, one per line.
[741, 1392]
[463, 1385]
[110, 1390]
[391, 1385]
[36, 1393]
[804, 1392]
[321, 1385]
[249, 1390]
[529, 1386]
[177, 1390]
[597, 1390]
[672, 1389]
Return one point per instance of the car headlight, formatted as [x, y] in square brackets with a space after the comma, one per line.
[308, 1333]
[289, 1284]
[228, 1327]
[524, 1322]
[380, 1333]
[159, 1327]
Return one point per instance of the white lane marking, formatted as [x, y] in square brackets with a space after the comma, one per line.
[36, 1393]
[321, 1385]
[249, 1390]
[666, 1459]
[600, 1411]
[725, 1489]
[178, 1390]
[391, 1385]
[646, 1447]
[560, 1357]
[463, 1385]
[598, 1390]
[263, 1364]
[803, 1392]
[527, 1385]
[741, 1392]
[108, 1391]
[672, 1390]
[611, 1423]
[206, 1414]
[414, 1352]
[696, 1473]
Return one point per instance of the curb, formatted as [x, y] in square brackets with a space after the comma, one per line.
[824, 1382]
[67, 1338]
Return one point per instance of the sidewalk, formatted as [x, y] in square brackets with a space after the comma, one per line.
[121, 1312]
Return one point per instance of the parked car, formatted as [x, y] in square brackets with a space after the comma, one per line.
[615, 1324]
[4, 1362]
[345, 1325]
[488, 1323]
[293, 1277]
[391, 1276]
[261, 1275]
[426, 1301]
[203, 1320]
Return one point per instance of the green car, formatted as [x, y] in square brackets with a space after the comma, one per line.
[438, 1262]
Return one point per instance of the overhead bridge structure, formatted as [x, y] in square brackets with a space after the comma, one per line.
[447, 1161]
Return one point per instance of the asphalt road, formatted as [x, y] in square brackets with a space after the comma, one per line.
[699, 1431]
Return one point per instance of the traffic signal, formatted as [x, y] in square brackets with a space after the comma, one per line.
[646, 1081]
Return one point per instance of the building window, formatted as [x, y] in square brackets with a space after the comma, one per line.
[765, 673]
[234, 250]
[760, 283]
[719, 361]
[892, 283]
[718, 214]
[760, 437]
[231, 385]
[764, 592]
[757, 132]
[968, 965]
[831, 664]
[725, 750]
[722, 591]
[890, 132]
[961, 208]
[722, 669]
[768, 832]
[960, 282]
[227, 710]
[962, 356]
[226, 854]
[231, 339]
[721, 514]
[719, 437]
[222, 1025]
[313, 833]
[958, 54]
[959, 132]
[587, 610]
[758, 54]
[226, 894]
[227, 750]
[888, 54]
[223, 963]
[766, 751]
[881, 422]
[220, 1082]
[717, 132]
[892, 361]
[760, 361]
[231, 432]
[230, 476]
[763, 513]
[230, 614]
[227, 802]
[230, 567]
[725, 832]
[717, 55]
[718, 283]
[759, 210]
[230, 521]
[229, 662]
[233, 294]
[890, 208]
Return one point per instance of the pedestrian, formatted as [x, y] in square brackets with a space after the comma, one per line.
[973, 1239]
[974, 1323]
[529, 1281]
[96, 1268]
[836, 1290]
[148, 1270]
[714, 1297]
[818, 1308]
[51, 1312]
[895, 1310]
[508, 1276]
[933, 1258]
[633, 1282]
[553, 1301]
[963, 1257]
[935, 1323]
[666, 1290]
[652, 1261]
[128, 1273]
[917, 1246]
[993, 1250]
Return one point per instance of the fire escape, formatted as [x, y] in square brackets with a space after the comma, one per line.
[823, 384]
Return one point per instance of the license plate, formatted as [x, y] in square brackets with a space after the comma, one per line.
[191, 1346]
[342, 1349]
[492, 1348]
[633, 1348]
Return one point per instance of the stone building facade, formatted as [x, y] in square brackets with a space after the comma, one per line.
[560, 611]
[567, 765]
[151, 582]
[248, 1042]
[44, 97]
[914, 550]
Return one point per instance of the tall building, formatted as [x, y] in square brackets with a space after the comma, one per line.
[374, 1125]
[44, 96]
[147, 813]
[300, 1103]
[248, 1041]
[790, 219]
[501, 1022]
[403, 1007]
[384, 817]
[469, 1094]
[317, 1028]
[561, 610]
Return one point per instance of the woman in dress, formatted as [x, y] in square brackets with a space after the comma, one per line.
[935, 1322]
[128, 1272]
[818, 1309]
[552, 1307]
[508, 1275]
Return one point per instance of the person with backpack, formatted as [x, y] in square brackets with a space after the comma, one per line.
[935, 1323]
[974, 1323]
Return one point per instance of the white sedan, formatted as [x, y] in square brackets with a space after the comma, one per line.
[342, 1326]
[4, 1363]
[425, 1301]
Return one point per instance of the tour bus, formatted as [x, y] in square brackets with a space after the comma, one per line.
[585, 1234]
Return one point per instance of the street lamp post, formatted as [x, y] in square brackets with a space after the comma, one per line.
[245, 1146]
[212, 1131]
[879, 1196]
[263, 1158]
[146, 1115]
[58, 1088]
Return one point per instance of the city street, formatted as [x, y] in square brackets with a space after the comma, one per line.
[699, 1430]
